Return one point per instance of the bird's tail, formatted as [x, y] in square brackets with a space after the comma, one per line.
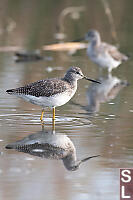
[125, 57]
[10, 91]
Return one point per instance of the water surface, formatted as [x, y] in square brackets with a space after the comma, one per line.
[107, 130]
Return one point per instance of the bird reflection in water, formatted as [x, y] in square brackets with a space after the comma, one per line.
[101, 93]
[106, 91]
[48, 144]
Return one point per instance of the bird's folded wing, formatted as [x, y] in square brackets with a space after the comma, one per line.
[114, 52]
[45, 88]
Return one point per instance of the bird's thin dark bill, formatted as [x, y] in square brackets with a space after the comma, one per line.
[79, 39]
[88, 158]
[91, 80]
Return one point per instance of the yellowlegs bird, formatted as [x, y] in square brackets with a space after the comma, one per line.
[101, 53]
[47, 144]
[51, 92]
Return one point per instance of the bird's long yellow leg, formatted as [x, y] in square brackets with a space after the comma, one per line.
[41, 118]
[53, 113]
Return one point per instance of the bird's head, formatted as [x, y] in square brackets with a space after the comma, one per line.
[92, 35]
[76, 74]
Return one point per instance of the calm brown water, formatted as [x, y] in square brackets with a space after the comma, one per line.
[108, 131]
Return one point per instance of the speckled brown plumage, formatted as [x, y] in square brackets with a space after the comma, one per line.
[45, 88]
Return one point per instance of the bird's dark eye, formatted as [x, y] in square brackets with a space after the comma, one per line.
[77, 73]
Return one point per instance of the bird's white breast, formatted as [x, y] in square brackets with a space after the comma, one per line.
[52, 101]
[103, 59]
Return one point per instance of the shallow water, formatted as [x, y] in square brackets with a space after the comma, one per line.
[106, 131]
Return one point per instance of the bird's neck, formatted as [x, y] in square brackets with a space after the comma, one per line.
[70, 79]
[96, 42]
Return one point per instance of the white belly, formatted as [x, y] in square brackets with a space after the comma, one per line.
[103, 60]
[52, 101]
[106, 61]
